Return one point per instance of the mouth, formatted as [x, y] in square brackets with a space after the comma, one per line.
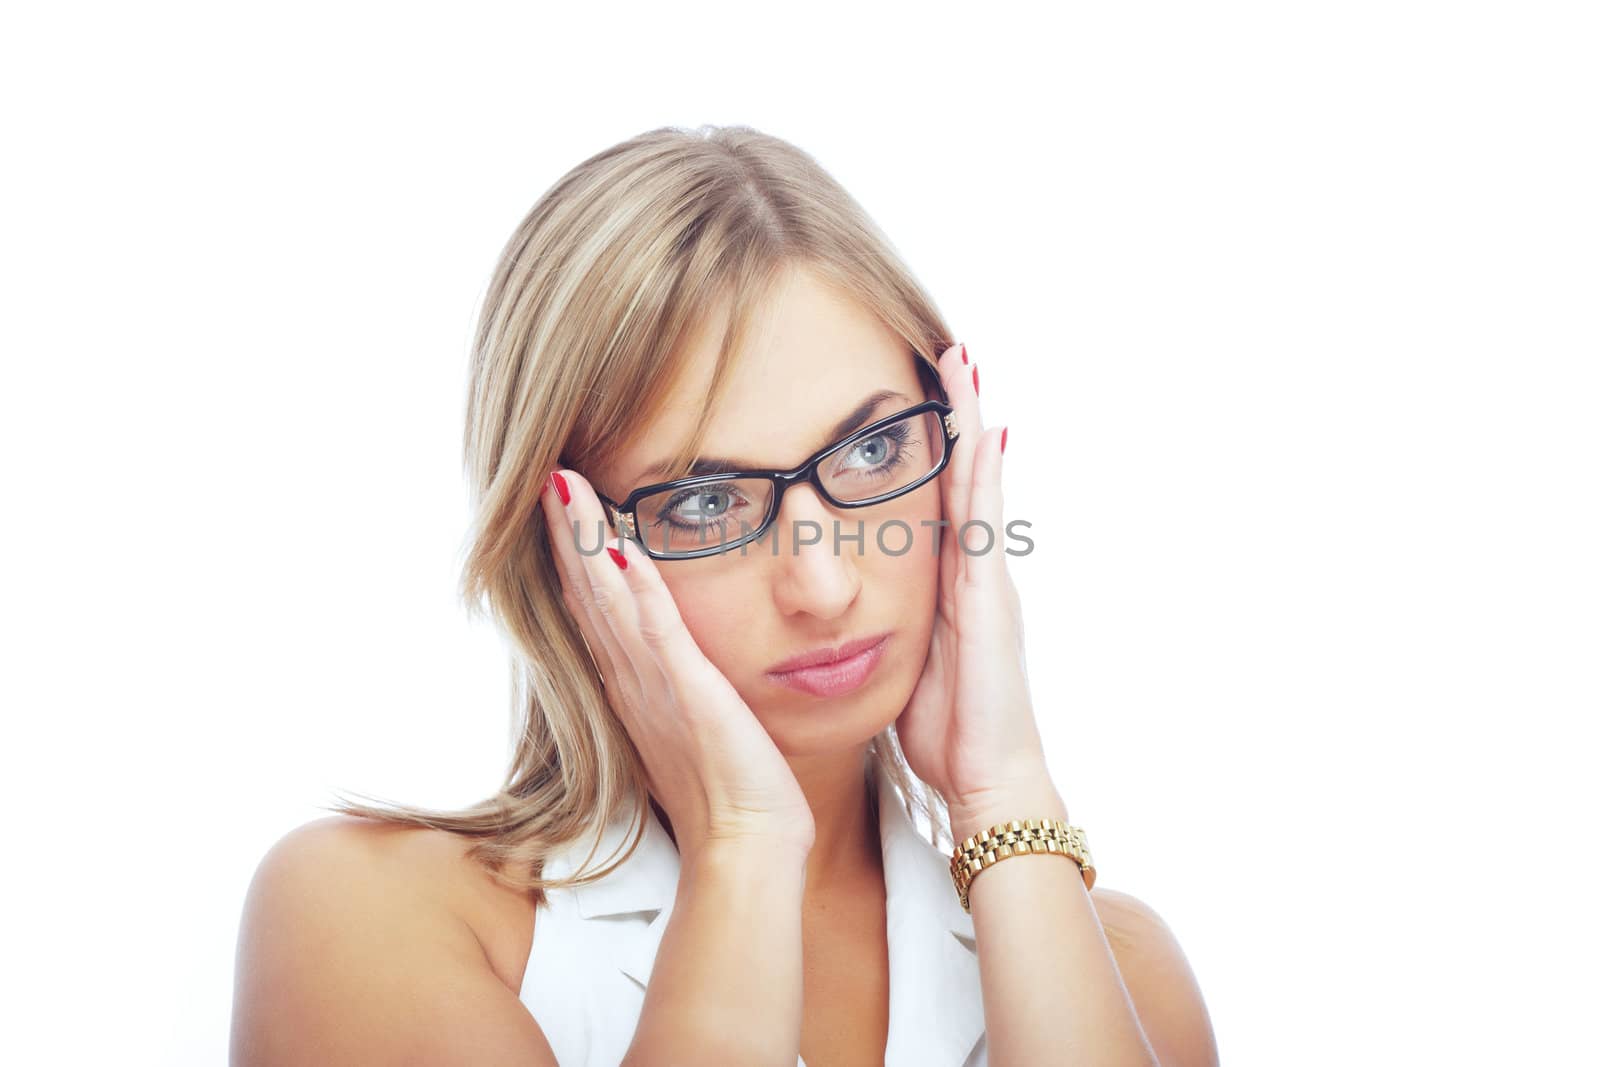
[832, 671]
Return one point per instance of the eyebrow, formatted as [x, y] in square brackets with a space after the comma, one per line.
[858, 417]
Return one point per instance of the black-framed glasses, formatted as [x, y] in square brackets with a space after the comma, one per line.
[709, 514]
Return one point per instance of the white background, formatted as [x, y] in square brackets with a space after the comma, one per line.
[1291, 310]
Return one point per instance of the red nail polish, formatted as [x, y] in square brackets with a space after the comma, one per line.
[618, 558]
[963, 351]
[974, 380]
[561, 487]
[1003, 431]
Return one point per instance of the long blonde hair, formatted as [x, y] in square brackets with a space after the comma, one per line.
[579, 341]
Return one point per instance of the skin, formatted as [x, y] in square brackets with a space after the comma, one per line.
[952, 677]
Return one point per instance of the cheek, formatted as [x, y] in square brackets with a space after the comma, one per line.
[702, 599]
[911, 578]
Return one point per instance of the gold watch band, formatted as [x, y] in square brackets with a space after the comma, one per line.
[1019, 837]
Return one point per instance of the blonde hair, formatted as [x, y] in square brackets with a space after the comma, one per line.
[579, 341]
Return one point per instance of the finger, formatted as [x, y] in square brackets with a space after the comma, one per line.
[960, 380]
[661, 627]
[566, 531]
[612, 587]
[575, 597]
[986, 561]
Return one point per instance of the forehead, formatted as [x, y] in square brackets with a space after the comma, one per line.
[811, 356]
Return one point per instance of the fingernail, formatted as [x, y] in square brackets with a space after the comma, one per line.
[963, 351]
[974, 380]
[561, 487]
[618, 558]
[1003, 431]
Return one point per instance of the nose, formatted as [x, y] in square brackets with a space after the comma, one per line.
[815, 568]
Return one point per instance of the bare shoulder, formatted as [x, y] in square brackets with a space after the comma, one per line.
[364, 942]
[1164, 990]
[435, 865]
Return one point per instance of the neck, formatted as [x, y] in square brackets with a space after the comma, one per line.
[843, 808]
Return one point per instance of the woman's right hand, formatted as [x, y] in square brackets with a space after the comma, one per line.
[711, 764]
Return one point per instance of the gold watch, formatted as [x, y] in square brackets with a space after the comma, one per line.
[1019, 837]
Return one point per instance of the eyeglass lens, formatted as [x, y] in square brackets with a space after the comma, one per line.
[729, 511]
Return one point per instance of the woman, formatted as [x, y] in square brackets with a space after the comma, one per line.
[778, 651]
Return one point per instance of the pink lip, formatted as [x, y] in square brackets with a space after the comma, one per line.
[829, 672]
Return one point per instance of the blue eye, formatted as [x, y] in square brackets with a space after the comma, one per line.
[881, 452]
[708, 504]
[705, 508]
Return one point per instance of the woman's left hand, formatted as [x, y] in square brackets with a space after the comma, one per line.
[969, 729]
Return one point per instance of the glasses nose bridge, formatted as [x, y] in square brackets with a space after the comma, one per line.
[808, 473]
[783, 481]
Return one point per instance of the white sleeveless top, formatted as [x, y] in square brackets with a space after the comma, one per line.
[594, 946]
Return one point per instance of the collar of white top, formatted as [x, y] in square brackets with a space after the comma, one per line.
[935, 1004]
